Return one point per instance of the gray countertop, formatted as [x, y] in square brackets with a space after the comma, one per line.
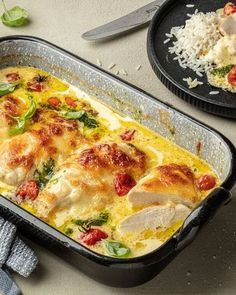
[208, 266]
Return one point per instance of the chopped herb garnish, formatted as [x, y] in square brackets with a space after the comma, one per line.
[21, 121]
[45, 174]
[116, 249]
[40, 78]
[86, 224]
[69, 231]
[83, 117]
[221, 72]
[6, 88]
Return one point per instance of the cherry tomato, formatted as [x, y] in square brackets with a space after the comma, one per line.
[54, 101]
[128, 135]
[206, 182]
[29, 190]
[35, 86]
[229, 8]
[231, 77]
[123, 183]
[12, 77]
[93, 236]
[70, 102]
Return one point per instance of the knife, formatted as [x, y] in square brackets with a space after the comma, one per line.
[133, 20]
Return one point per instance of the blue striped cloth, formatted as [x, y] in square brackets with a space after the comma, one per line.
[16, 256]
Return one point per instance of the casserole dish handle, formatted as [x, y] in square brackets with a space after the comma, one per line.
[202, 214]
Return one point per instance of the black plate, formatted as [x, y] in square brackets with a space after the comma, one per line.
[174, 13]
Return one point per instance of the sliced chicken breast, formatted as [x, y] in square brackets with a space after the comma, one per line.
[162, 216]
[165, 183]
[148, 218]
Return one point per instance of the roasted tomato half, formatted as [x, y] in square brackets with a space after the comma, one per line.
[123, 183]
[206, 182]
[38, 83]
[71, 102]
[28, 190]
[229, 8]
[12, 77]
[54, 101]
[231, 77]
[93, 236]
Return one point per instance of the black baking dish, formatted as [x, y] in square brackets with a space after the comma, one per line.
[216, 150]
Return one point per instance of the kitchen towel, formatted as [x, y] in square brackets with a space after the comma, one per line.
[14, 255]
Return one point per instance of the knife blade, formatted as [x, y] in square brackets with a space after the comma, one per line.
[125, 23]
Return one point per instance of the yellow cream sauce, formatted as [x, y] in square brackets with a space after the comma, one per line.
[158, 150]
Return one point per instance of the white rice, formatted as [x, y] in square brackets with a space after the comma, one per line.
[190, 5]
[194, 40]
[214, 92]
[192, 83]
[167, 41]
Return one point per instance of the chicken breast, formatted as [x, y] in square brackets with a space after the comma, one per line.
[228, 25]
[165, 183]
[22, 154]
[86, 180]
[162, 216]
[19, 157]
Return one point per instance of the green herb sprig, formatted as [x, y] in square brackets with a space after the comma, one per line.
[116, 249]
[86, 224]
[21, 121]
[45, 174]
[14, 17]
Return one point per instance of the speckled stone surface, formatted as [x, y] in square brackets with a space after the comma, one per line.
[208, 266]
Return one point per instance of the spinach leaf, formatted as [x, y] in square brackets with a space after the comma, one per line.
[21, 121]
[85, 224]
[44, 175]
[14, 17]
[116, 249]
[89, 122]
[83, 117]
[6, 88]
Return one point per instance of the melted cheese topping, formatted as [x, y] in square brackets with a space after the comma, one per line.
[87, 160]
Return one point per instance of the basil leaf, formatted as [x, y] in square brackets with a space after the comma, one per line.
[86, 224]
[14, 17]
[74, 115]
[116, 249]
[44, 175]
[83, 117]
[19, 128]
[31, 110]
[6, 88]
[100, 220]
[21, 121]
